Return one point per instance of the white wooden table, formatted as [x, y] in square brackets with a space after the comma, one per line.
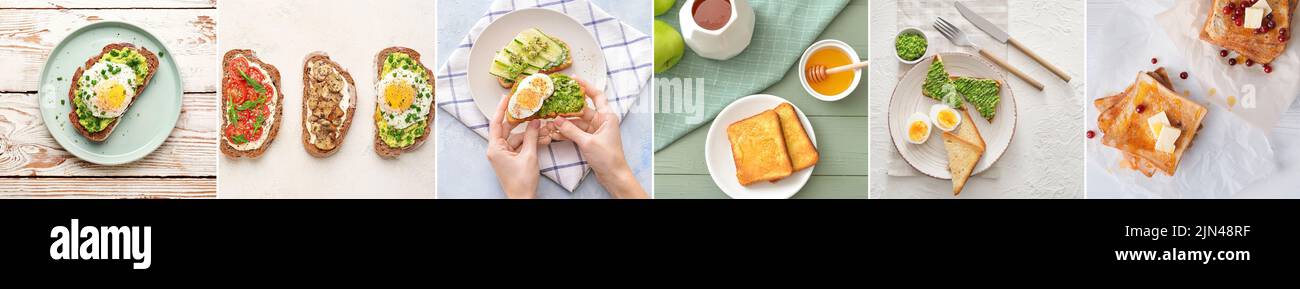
[33, 165]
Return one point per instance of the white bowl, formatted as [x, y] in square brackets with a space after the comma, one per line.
[829, 44]
[912, 30]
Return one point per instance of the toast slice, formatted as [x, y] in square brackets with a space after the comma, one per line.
[803, 154]
[1125, 127]
[758, 148]
[982, 93]
[582, 93]
[102, 135]
[962, 158]
[968, 132]
[329, 102]
[1221, 30]
[381, 148]
[277, 113]
[568, 62]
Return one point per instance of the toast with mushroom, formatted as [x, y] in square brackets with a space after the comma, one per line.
[329, 101]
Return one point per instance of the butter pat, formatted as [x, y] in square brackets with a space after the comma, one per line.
[1157, 122]
[1263, 4]
[1254, 17]
[1168, 136]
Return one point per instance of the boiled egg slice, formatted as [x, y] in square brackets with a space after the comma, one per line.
[945, 117]
[532, 92]
[918, 128]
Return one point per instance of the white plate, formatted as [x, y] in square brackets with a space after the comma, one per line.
[931, 158]
[588, 59]
[722, 167]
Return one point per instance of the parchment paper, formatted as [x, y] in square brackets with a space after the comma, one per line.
[1226, 155]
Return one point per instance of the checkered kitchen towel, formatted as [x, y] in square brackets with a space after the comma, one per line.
[783, 30]
[629, 55]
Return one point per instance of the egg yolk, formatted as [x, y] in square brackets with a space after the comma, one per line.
[947, 119]
[112, 96]
[399, 95]
[917, 131]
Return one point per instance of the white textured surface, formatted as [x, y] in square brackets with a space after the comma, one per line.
[283, 33]
[1045, 159]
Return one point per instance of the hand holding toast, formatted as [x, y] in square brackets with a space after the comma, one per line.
[597, 134]
[515, 165]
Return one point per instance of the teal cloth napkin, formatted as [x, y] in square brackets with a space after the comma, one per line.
[782, 31]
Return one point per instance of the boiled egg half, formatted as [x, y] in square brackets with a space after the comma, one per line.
[945, 117]
[918, 128]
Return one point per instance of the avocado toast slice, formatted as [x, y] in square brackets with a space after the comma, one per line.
[568, 100]
[104, 130]
[392, 142]
[982, 93]
[530, 52]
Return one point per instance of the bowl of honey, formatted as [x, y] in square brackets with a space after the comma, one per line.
[830, 53]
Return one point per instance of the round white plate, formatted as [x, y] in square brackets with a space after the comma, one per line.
[931, 158]
[588, 59]
[722, 167]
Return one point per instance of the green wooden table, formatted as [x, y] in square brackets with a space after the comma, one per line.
[841, 129]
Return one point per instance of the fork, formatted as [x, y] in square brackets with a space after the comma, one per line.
[959, 38]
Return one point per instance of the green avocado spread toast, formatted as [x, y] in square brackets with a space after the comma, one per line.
[982, 93]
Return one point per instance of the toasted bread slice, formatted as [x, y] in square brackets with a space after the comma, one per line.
[1220, 30]
[962, 158]
[381, 148]
[803, 154]
[277, 112]
[1124, 127]
[568, 62]
[984, 102]
[328, 123]
[139, 89]
[758, 147]
[582, 92]
[968, 132]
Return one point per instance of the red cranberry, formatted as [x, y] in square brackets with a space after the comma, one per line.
[1092, 134]
[1268, 68]
[1230, 8]
[1250, 62]
[1269, 24]
[1232, 61]
[1223, 53]
[1261, 30]
[1183, 75]
[1154, 60]
[1141, 108]
[1282, 35]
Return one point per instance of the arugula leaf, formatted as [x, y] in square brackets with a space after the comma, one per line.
[252, 83]
[239, 139]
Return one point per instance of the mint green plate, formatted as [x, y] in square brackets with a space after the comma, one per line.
[145, 125]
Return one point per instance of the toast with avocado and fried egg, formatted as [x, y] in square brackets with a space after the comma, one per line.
[405, 102]
[531, 52]
[106, 86]
[252, 104]
[542, 96]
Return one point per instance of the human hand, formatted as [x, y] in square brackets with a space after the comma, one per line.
[598, 137]
[514, 160]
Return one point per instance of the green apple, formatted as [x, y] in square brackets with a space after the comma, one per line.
[662, 6]
[669, 46]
